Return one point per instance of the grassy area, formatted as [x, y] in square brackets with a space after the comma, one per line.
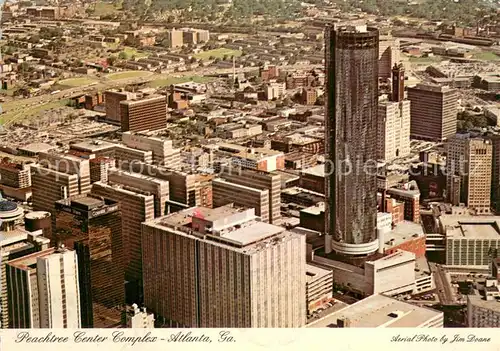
[106, 8]
[127, 74]
[134, 52]
[486, 56]
[218, 53]
[29, 112]
[176, 80]
[75, 82]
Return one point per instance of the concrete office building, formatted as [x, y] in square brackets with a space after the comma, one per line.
[69, 164]
[470, 240]
[139, 318]
[225, 192]
[433, 112]
[15, 242]
[112, 101]
[388, 55]
[136, 207]
[380, 311]
[174, 38]
[15, 175]
[124, 154]
[351, 134]
[183, 187]
[163, 151]
[483, 307]
[469, 169]
[50, 186]
[495, 171]
[394, 121]
[58, 289]
[22, 287]
[394, 130]
[232, 271]
[147, 185]
[99, 148]
[15, 180]
[390, 274]
[149, 113]
[92, 225]
[263, 181]
[43, 290]
[319, 287]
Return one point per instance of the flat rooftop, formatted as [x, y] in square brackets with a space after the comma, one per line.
[314, 272]
[254, 232]
[318, 170]
[379, 311]
[243, 151]
[92, 145]
[245, 234]
[479, 301]
[315, 210]
[27, 262]
[36, 148]
[471, 227]
[404, 231]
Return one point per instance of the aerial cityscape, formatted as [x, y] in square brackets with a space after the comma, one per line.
[249, 164]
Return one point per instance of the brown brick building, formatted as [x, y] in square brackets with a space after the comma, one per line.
[145, 114]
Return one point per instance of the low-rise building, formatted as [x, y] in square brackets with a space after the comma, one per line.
[380, 311]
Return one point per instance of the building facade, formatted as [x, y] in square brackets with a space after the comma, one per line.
[232, 271]
[31, 304]
[149, 113]
[469, 172]
[433, 112]
[351, 138]
[92, 225]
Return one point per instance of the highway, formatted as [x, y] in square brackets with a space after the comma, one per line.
[25, 104]
[443, 285]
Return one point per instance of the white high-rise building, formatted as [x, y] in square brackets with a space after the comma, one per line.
[58, 290]
[394, 130]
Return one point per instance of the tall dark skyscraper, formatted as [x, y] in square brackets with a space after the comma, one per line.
[351, 132]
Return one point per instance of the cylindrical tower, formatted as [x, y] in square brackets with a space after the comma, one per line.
[351, 139]
[10, 214]
[37, 220]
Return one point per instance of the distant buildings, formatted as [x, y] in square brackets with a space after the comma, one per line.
[433, 112]
[260, 159]
[388, 56]
[242, 289]
[112, 101]
[176, 38]
[164, 153]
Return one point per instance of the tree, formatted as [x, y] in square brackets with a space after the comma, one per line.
[111, 60]
[123, 55]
